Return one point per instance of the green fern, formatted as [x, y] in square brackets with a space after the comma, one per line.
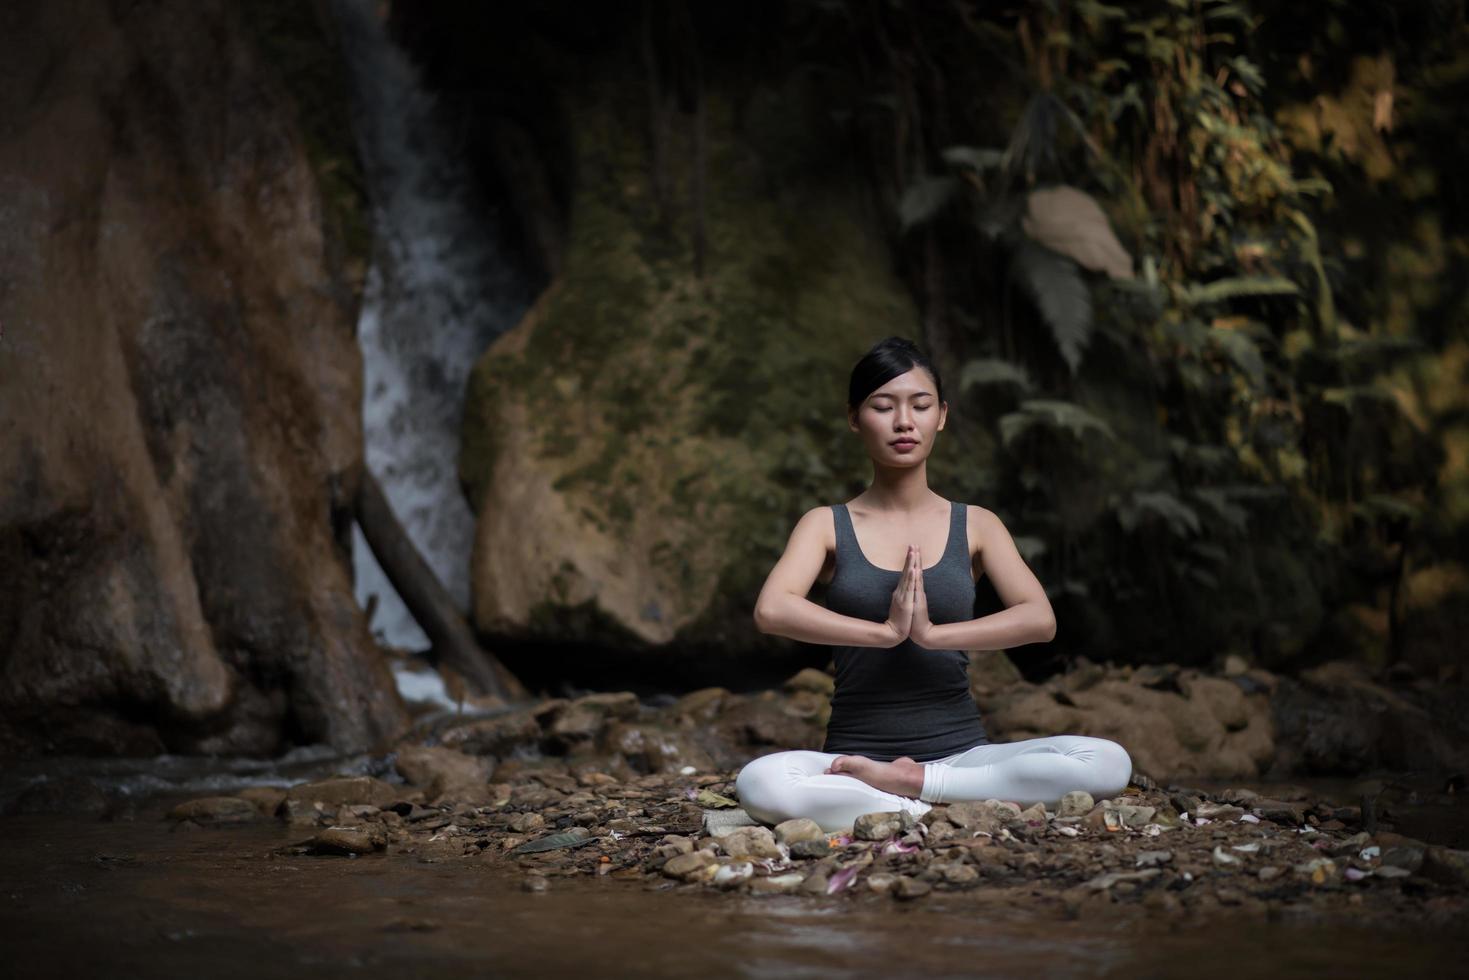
[993, 371]
[1052, 414]
[1061, 294]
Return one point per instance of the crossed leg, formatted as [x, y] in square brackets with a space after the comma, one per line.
[802, 783]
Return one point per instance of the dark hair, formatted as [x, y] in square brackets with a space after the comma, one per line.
[885, 361]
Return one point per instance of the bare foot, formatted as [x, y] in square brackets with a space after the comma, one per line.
[902, 776]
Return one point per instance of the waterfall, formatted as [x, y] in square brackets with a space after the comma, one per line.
[436, 294]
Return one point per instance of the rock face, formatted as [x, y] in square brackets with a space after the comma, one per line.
[179, 391]
[616, 445]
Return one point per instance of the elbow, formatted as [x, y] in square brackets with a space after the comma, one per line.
[1048, 626]
[762, 618]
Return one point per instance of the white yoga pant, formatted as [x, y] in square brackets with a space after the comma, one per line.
[790, 784]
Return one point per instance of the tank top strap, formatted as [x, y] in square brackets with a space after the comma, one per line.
[846, 537]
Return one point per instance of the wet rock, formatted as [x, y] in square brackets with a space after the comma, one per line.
[1105, 881]
[1035, 815]
[1408, 858]
[343, 790]
[959, 875]
[814, 884]
[1447, 866]
[875, 826]
[65, 794]
[810, 848]
[582, 719]
[1153, 859]
[1269, 873]
[216, 810]
[1218, 811]
[1279, 811]
[688, 867]
[777, 884]
[882, 882]
[750, 842]
[655, 747]
[1185, 802]
[267, 799]
[799, 829]
[733, 875]
[698, 707]
[910, 888]
[1135, 816]
[445, 773]
[527, 823]
[348, 840]
[497, 735]
[535, 883]
[981, 817]
[1077, 803]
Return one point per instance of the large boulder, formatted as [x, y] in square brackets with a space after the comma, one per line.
[618, 443]
[179, 392]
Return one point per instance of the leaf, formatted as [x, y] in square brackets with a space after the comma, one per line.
[1223, 289]
[552, 843]
[710, 798]
[1056, 285]
[993, 371]
[974, 157]
[924, 198]
[840, 880]
[1181, 519]
[1241, 350]
[1051, 413]
[1070, 221]
[1227, 510]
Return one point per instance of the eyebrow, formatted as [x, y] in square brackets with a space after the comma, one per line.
[916, 394]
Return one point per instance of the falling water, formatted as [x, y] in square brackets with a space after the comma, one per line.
[437, 293]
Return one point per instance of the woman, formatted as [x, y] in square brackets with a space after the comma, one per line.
[905, 732]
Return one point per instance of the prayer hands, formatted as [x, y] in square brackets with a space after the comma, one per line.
[908, 613]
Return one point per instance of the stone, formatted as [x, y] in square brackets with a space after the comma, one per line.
[267, 799]
[876, 826]
[1217, 811]
[960, 874]
[497, 735]
[216, 810]
[810, 848]
[583, 718]
[812, 680]
[698, 864]
[348, 840]
[751, 842]
[882, 882]
[776, 884]
[733, 875]
[1135, 816]
[1077, 803]
[981, 817]
[1279, 811]
[1408, 858]
[1447, 866]
[535, 883]
[910, 888]
[1035, 815]
[1152, 859]
[342, 790]
[527, 823]
[799, 829]
[445, 773]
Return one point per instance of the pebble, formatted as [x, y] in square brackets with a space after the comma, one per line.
[875, 826]
[797, 830]
[1077, 803]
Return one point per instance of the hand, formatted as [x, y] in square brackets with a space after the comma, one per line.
[920, 627]
[900, 611]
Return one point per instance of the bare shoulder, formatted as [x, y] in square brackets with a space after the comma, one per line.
[980, 522]
[817, 524]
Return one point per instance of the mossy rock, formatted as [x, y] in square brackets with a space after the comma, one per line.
[638, 448]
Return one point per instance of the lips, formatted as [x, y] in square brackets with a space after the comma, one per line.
[903, 443]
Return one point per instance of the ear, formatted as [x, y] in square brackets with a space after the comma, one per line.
[943, 414]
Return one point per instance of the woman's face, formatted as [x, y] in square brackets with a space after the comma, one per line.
[897, 422]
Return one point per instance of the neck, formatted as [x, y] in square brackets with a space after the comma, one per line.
[902, 488]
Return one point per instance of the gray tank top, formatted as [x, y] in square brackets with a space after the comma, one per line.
[902, 700]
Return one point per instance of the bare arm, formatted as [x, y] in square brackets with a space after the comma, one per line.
[1027, 616]
[783, 609]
